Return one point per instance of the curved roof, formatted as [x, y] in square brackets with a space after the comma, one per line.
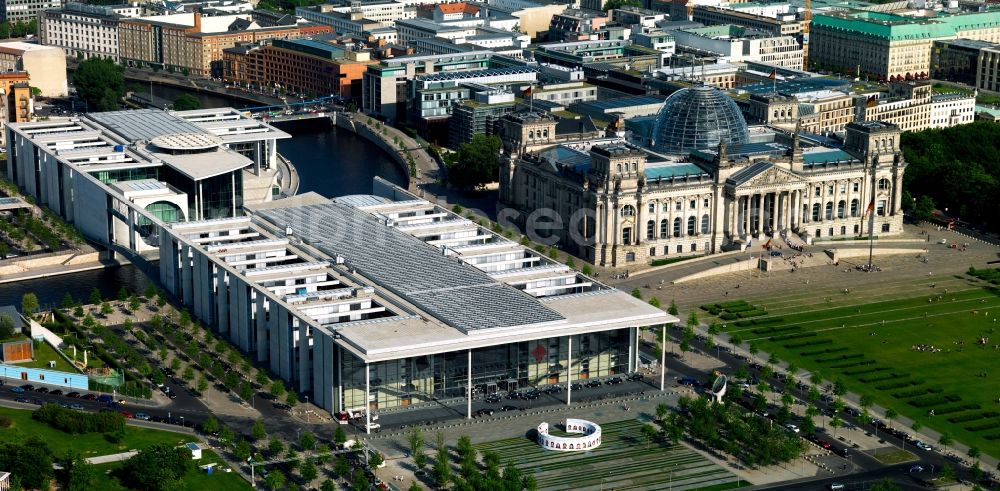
[698, 117]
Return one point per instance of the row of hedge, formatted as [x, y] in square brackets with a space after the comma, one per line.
[849, 356]
[917, 392]
[968, 418]
[759, 322]
[934, 401]
[852, 364]
[776, 329]
[816, 342]
[823, 351]
[72, 421]
[881, 378]
[788, 337]
[865, 371]
[900, 385]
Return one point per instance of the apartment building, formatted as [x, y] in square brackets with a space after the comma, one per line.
[303, 66]
[25, 10]
[81, 30]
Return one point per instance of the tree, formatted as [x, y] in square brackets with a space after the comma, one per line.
[157, 467]
[188, 374]
[6, 327]
[106, 309]
[95, 296]
[161, 300]
[133, 303]
[100, 83]
[924, 208]
[415, 487]
[246, 391]
[292, 398]
[275, 447]
[277, 388]
[885, 485]
[122, 294]
[202, 384]
[258, 431]
[617, 4]
[693, 319]
[186, 102]
[226, 434]
[81, 475]
[328, 485]
[340, 436]
[210, 425]
[341, 467]
[866, 401]
[275, 480]
[360, 481]
[649, 434]
[242, 450]
[945, 439]
[307, 441]
[891, 414]
[30, 460]
[974, 452]
[5, 29]
[149, 292]
[29, 304]
[839, 388]
[478, 163]
[672, 310]
[262, 378]
[308, 470]
[637, 293]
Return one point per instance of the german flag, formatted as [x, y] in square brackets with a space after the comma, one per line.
[774, 74]
[526, 92]
[871, 208]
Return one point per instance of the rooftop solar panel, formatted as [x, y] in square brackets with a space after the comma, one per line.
[445, 287]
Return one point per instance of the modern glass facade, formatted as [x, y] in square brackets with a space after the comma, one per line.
[698, 117]
[495, 369]
[217, 196]
[132, 174]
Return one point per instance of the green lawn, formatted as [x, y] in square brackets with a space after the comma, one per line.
[197, 479]
[44, 353]
[878, 342]
[88, 445]
[623, 462]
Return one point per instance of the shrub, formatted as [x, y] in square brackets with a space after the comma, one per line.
[850, 364]
[5, 422]
[865, 371]
[734, 304]
[850, 356]
[786, 337]
[900, 385]
[983, 427]
[956, 409]
[823, 351]
[726, 316]
[974, 417]
[751, 313]
[809, 343]
[928, 401]
[72, 421]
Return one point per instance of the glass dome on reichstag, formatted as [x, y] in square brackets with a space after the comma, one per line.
[698, 117]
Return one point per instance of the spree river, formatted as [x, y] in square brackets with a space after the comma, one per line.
[330, 161]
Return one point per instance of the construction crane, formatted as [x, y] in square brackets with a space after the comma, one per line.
[806, 20]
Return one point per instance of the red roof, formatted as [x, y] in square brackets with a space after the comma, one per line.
[456, 8]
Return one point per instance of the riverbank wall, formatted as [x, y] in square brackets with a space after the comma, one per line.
[53, 264]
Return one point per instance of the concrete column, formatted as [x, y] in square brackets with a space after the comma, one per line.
[340, 377]
[468, 389]
[746, 215]
[569, 370]
[760, 213]
[368, 404]
[663, 357]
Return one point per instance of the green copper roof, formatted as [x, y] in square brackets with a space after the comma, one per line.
[893, 27]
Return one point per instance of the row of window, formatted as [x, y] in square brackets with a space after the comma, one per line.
[629, 210]
[691, 224]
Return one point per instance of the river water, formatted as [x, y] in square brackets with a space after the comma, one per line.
[330, 161]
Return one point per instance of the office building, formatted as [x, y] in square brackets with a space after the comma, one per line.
[181, 166]
[974, 63]
[433, 97]
[81, 30]
[614, 53]
[737, 43]
[478, 114]
[45, 65]
[608, 110]
[910, 106]
[25, 11]
[301, 66]
[785, 24]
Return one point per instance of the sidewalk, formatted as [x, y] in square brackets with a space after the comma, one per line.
[117, 457]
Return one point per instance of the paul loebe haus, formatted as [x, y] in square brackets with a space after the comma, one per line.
[387, 300]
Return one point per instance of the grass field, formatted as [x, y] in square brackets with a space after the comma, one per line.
[88, 445]
[623, 462]
[197, 479]
[913, 346]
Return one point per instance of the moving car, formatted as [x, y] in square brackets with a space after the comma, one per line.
[792, 428]
[492, 399]
[142, 416]
[17, 390]
[484, 412]
[836, 486]
[916, 468]
[507, 408]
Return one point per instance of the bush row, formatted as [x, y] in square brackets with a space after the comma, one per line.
[823, 351]
[934, 401]
[966, 418]
[900, 385]
[983, 427]
[776, 329]
[72, 421]
[956, 409]
[851, 364]
[849, 356]
[797, 335]
[995, 436]
[803, 344]
[751, 313]
[916, 392]
[760, 322]
[864, 371]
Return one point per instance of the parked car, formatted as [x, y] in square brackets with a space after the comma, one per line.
[593, 383]
[635, 377]
[24, 400]
[142, 416]
[74, 395]
[836, 486]
[823, 443]
[28, 387]
[484, 412]
[689, 381]
[614, 381]
[42, 390]
[88, 397]
[923, 446]
[507, 408]
[17, 390]
[792, 428]
[841, 452]
[105, 398]
[916, 468]
[55, 392]
[492, 399]
[576, 386]
[78, 407]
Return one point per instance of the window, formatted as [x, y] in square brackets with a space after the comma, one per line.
[885, 227]
[680, 248]
[843, 188]
[619, 168]
[829, 189]
[842, 209]
[704, 223]
[652, 252]
[652, 207]
[635, 167]
[677, 227]
[627, 235]
[663, 229]
[880, 208]
[829, 210]
[705, 204]
[666, 250]
[666, 207]
[628, 211]
[815, 213]
[817, 191]
[691, 225]
[883, 184]
[678, 205]
[693, 204]
[650, 229]
[694, 247]
[857, 186]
